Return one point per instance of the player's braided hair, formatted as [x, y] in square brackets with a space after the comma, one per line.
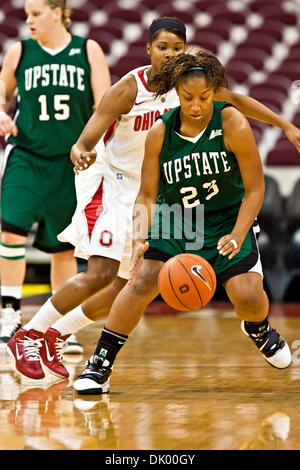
[176, 69]
[66, 11]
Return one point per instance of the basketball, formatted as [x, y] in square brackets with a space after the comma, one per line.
[187, 282]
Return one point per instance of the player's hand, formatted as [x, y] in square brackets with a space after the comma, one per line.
[293, 134]
[82, 160]
[7, 125]
[229, 245]
[137, 258]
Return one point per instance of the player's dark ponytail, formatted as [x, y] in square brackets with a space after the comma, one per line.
[178, 68]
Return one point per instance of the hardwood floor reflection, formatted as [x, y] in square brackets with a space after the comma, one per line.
[187, 382]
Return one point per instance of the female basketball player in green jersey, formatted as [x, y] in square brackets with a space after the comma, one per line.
[60, 79]
[167, 39]
[200, 153]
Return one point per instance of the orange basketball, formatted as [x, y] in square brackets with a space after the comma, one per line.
[187, 282]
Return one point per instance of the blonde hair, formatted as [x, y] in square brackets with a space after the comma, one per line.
[66, 11]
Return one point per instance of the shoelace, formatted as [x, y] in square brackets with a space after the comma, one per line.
[268, 342]
[94, 365]
[60, 346]
[32, 348]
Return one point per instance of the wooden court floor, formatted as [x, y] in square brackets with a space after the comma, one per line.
[193, 381]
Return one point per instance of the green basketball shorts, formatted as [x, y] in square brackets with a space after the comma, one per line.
[163, 243]
[37, 190]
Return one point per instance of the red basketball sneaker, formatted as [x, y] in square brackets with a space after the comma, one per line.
[25, 348]
[52, 352]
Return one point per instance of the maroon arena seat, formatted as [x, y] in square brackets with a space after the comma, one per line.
[151, 4]
[142, 40]
[290, 70]
[271, 28]
[9, 28]
[208, 41]
[221, 12]
[290, 63]
[270, 96]
[283, 156]
[280, 80]
[101, 3]
[239, 71]
[104, 39]
[2, 39]
[257, 128]
[258, 5]
[80, 14]
[11, 12]
[125, 64]
[273, 82]
[218, 27]
[127, 15]
[187, 16]
[275, 12]
[203, 5]
[283, 143]
[139, 53]
[296, 119]
[256, 58]
[114, 27]
[294, 53]
[260, 41]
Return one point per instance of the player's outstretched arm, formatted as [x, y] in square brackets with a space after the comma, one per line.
[145, 202]
[8, 84]
[118, 100]
[239, 139]
[252, 108]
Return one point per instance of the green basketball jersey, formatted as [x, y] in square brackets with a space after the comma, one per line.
[200, 193]
[54, 99]
[199, 172]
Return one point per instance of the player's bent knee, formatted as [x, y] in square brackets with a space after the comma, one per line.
[99, 280]
[250, 299]
[63, 255]
[8, 238]
[145, 287]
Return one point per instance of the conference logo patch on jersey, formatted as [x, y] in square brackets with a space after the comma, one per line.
[215, 133]
[74, 51]
[119, 176]
[196, 270]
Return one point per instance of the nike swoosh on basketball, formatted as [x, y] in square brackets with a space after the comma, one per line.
[19, 356]
[49, 357]
[195, 270]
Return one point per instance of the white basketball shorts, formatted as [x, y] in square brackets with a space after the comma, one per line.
[102, 222]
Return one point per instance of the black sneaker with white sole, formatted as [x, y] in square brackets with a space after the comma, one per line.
[94, 380]
[10, 323]
[274, 349]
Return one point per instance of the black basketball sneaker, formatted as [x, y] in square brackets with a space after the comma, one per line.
[94, 380]
[273, 348]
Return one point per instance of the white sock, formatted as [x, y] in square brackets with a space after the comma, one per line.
[72, 322]
[11, 291]
[46, 315]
